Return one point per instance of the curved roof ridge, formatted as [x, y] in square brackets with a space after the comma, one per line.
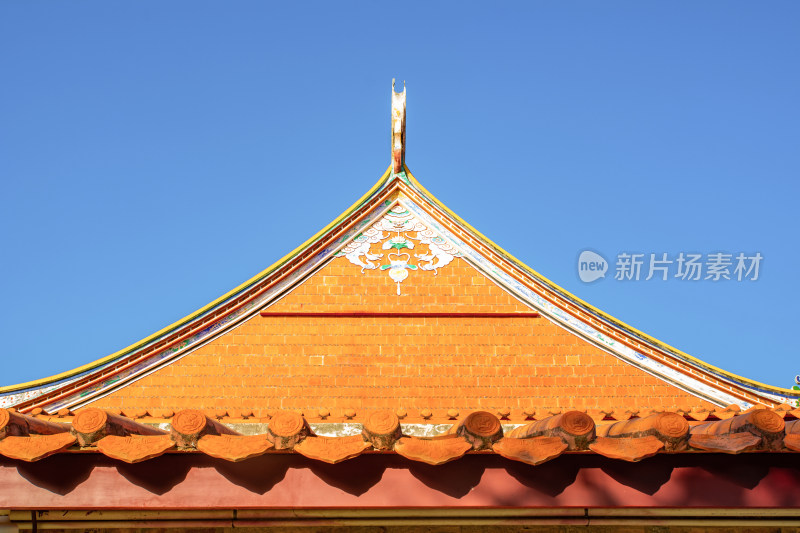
[217, 316]
[615, 322]
[163, 332]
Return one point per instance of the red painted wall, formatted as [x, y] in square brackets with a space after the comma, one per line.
[175, 481]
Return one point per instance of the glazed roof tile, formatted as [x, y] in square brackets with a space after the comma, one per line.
[31, 438]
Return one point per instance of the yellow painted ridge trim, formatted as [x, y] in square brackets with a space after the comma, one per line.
[519, 263]
[99, 362]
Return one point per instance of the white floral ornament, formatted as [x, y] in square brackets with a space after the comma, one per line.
[399, 221]
[397, 269]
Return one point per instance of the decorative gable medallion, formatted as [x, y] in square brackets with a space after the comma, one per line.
[400, 233]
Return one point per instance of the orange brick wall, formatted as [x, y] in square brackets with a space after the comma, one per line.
[337, 363]
[340, 286]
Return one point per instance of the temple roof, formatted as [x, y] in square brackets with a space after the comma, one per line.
[398, 304]
[450, 379]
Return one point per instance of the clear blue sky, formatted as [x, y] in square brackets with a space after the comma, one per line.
[155, 155]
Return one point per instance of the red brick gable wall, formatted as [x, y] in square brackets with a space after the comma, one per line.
[339, 363]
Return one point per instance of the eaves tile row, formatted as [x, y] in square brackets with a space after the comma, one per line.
[31, 438]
